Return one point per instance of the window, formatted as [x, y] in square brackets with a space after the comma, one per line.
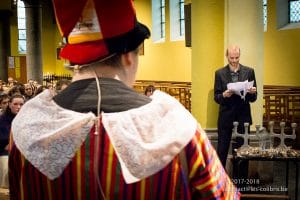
[21, 27]
[177, 23]
[288, 14]
[162, 18]
[181, 18]
[158, 20]
[265, 15]
[294, 11]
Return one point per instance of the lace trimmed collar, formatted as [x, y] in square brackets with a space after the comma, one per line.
[145, 139]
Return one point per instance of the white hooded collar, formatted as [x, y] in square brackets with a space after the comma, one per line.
[145, 139]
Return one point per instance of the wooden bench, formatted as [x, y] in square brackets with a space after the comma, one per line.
[180, 90]
[282, 103]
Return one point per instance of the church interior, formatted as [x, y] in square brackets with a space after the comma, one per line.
[184, 64]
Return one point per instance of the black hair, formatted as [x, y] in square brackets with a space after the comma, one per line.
[150, 88]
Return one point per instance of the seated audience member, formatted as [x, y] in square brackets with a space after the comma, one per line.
[29, 91]
[14, 106]
[149, 90]
[39, 89]
[49, 85]
[61, 85]
[36, 84]
[4, 99]
[1, 87]
[5, 89]
[30, 81]
[18, 88]
[100, 139]
[10, 82]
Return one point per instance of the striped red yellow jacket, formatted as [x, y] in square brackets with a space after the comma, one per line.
[206, 176]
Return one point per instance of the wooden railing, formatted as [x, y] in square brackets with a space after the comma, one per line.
[179, 90]
[51, 79]
[282, 104]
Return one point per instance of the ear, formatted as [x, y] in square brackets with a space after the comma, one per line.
[128, 59]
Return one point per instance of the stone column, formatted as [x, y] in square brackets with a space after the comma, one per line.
[244, 27]
[4, 43]
[34, 61]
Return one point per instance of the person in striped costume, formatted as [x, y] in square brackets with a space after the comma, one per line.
[100, 139]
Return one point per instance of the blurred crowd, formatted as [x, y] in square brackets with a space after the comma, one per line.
[28, 90]
[13, 95]
[12, 87]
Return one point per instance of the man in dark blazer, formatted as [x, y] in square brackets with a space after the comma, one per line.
[231, 106]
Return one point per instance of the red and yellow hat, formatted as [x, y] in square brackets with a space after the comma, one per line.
[95, 29]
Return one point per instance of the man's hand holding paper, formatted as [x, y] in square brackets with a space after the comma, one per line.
[241, 88]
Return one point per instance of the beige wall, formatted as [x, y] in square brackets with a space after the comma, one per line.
[170, 61]
[281, 52]
[207, 55]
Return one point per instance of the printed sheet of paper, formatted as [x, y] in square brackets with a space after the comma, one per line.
[239, 87]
